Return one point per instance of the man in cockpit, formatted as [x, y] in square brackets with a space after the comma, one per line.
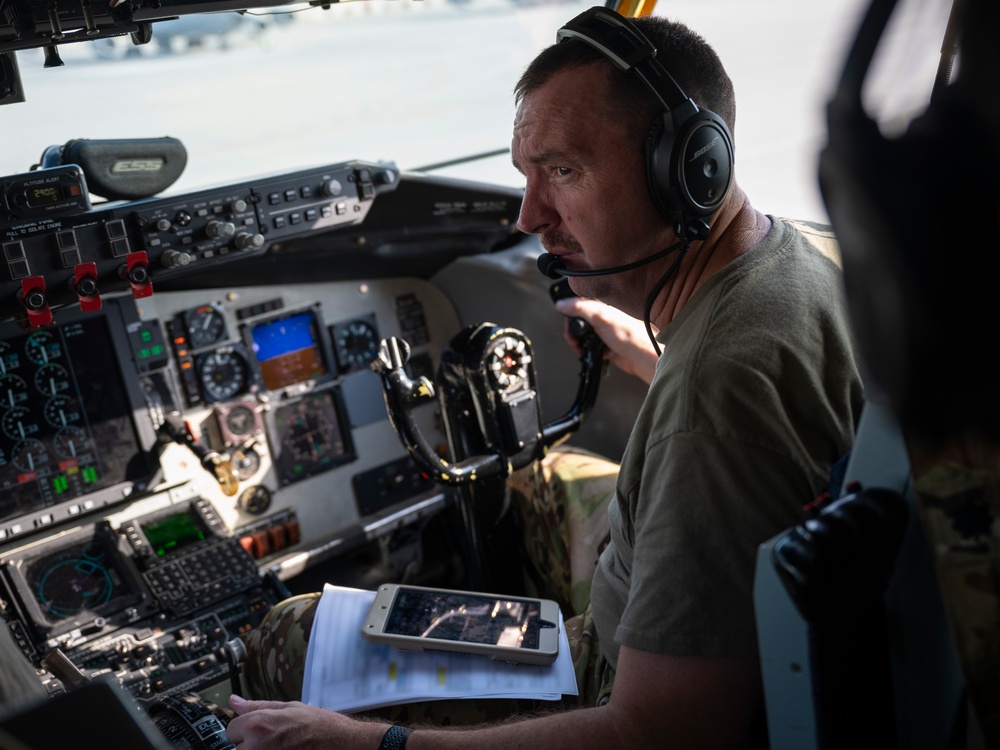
[753, 400]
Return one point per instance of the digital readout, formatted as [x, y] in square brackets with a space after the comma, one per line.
[44, 196]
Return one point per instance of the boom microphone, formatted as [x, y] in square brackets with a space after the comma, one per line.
[554, 267]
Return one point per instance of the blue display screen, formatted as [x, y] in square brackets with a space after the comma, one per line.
[288, 350]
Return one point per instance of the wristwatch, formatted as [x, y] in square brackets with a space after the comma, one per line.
[394, 738]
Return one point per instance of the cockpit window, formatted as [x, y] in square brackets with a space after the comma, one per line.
[417, 82]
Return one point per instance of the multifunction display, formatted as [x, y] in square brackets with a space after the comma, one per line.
[289, 350]
[65, 424]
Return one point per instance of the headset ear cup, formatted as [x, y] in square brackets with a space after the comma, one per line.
[659, 142]
[704, 163]
[689, 167]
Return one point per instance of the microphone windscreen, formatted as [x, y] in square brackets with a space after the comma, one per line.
[549, 265]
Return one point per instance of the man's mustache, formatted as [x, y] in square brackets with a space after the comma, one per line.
[559, 241]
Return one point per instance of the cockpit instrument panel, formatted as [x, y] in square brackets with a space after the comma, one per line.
[70, 440]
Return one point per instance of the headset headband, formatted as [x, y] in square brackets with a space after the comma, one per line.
[627, 48]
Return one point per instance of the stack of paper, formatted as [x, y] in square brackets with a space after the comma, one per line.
[346, 673]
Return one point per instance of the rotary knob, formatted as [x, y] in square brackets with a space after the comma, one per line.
[332, 188]
[219, 229]
[175, 259]
[247, 240]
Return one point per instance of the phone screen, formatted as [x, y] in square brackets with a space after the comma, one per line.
[470, 618]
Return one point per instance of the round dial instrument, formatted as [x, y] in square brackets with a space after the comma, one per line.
[223, 373]
[356, 343]
[206, 325]
[246, 463]
[255, 500]
[52, 380]
[30, 454]
[240, 421]
[508, 362]
[13, 391]
[42, 347]
[61, 411]
[70, 442]
[17, 423]
[9, 359]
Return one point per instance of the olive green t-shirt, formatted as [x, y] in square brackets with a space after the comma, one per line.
[755, 397]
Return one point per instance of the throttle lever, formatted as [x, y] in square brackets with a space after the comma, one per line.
[175, 430]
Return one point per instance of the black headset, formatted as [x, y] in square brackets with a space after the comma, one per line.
[689, 150]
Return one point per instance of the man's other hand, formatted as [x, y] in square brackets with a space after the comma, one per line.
[628, 346]
[269, 725]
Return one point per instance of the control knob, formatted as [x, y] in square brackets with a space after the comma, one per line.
[218, 229]
[175, 258]
[248, 240]
[332, 188]
[238, 206]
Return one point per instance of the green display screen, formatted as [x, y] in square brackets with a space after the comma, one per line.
[171, 533]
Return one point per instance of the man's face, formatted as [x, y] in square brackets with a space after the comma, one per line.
[586, 193]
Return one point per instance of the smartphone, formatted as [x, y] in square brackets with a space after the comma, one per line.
[506, 628]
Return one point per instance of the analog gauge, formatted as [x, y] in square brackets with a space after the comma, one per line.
[17, 425]
[240, 422]
[61, 411]
[30, 454]
[356, 343]
[13, 391]
[52, 380]
[42, 347]
[70, 442]
[206, 326]
[9, 360]
[508, 362]
[255, 500]
[246, 462]
[223, 374]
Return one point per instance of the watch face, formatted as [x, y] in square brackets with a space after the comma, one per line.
[508, 362]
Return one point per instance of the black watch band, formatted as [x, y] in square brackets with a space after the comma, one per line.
[394, 738]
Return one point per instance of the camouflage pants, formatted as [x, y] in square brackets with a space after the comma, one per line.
[561, 504]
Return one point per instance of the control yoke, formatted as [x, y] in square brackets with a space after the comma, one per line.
[489, 399]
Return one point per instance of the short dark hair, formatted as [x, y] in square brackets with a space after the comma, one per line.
[685, 54]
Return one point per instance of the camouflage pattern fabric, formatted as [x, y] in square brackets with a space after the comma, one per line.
[958, 498]
[562, 507]
[276, 650]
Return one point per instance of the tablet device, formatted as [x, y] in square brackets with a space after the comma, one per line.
[521, 630]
